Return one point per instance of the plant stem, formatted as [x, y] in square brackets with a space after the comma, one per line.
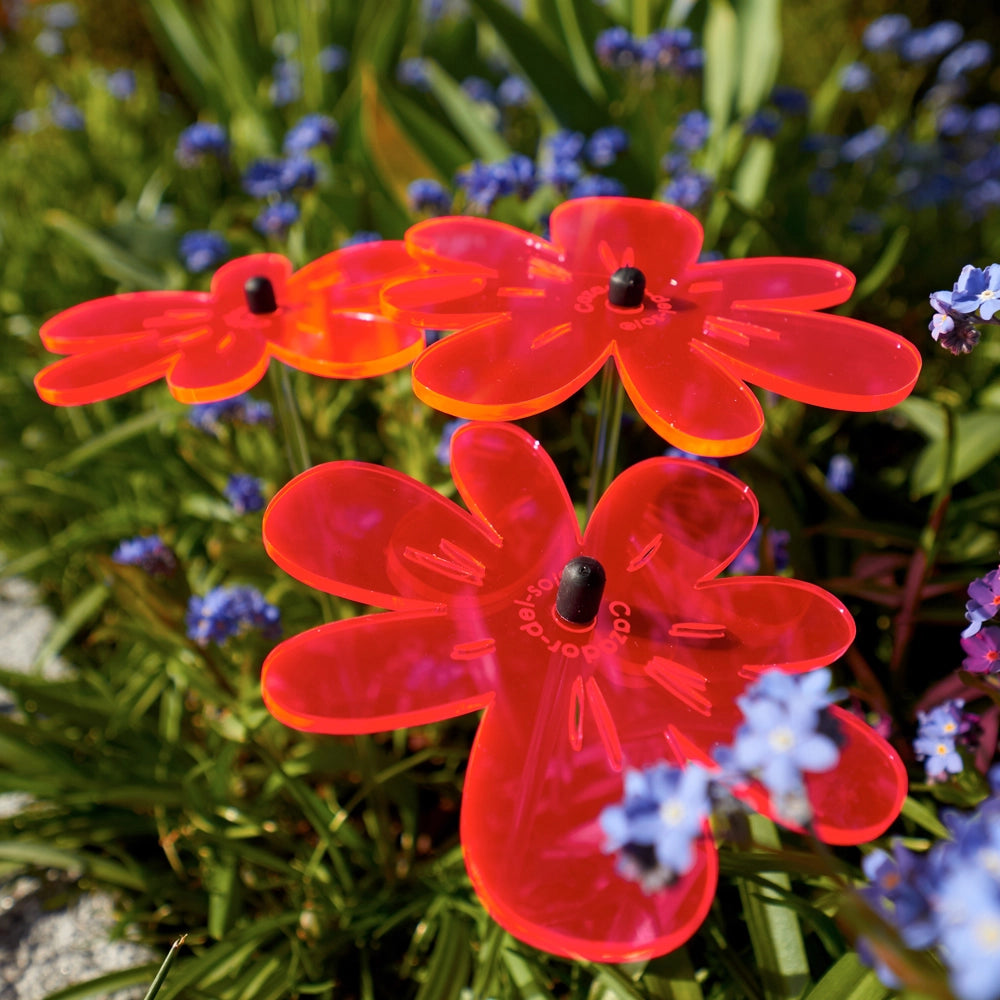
[609, 423]
[296, 447]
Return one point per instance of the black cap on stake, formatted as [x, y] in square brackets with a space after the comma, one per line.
[259, 294]
[581, 588]
[626, 288]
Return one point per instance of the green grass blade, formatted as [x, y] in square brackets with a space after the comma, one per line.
[848, 979]
[546, 66]
[115, 260]
[161, 974]
[760, 56]
[465, 115]
[105, 985]
[774, 928]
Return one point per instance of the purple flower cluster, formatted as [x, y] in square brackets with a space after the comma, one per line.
[202, 249]
[671, 50]
[199, 141]
[310, 131]
[788, 732]
[948, 898]
[149, 552]
[229, 611]
[244, 493]
[936, 742]
[665, 808]
[484, 183]
[983, 603]
[840, 474]
[975, 294]
[427, 196]
[242, 409]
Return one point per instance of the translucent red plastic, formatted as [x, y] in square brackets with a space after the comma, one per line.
[566, 708]
[534, 324]
[210, 346]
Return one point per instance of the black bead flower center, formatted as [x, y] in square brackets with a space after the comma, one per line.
[626, 288]
[259, 294]
[581, 587]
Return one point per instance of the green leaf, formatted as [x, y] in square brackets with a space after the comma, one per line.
[581, 54]
[223, 884]
[466, 115]
[774, 929]
[450, 962]
[977, 441]
[760, 36]
[171, 23]
[81, 611]
[848, 979]
[115, 260]
[884, 266]
[541, 61]
[437, 142]
[721, 42]
[396, 160]
[107, 984]
[754, 171]
[101, 869]
[925, 416]
[915, 810]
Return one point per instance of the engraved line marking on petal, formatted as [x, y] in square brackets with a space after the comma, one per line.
[463, 556]
[680, 681]
[576, 714]
[607, 255]
[473, 573]
[515, 292]
[538, 267]
[686, 750]
[605, 724]
[714, 328]
[737, 331]
[697, 630]
[704, 287]
[171, 317]
[749, 673]
[547, 336]
[648, 551]
[473, 650]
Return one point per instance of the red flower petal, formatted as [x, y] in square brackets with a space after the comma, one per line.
[225, 364]
[599, 235]
[532, 843]
[102, 322]
[818, 358]
[345, 345]
[506, 368]
[688, 397]
[508, 480]
[666, 524]
[378, 672]
[778, 282]
[126, 363]
[377, 536]
[857, 800]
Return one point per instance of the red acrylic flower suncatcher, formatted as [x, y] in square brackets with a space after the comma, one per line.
[568, 702]
[324, 319]
[619, 277]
